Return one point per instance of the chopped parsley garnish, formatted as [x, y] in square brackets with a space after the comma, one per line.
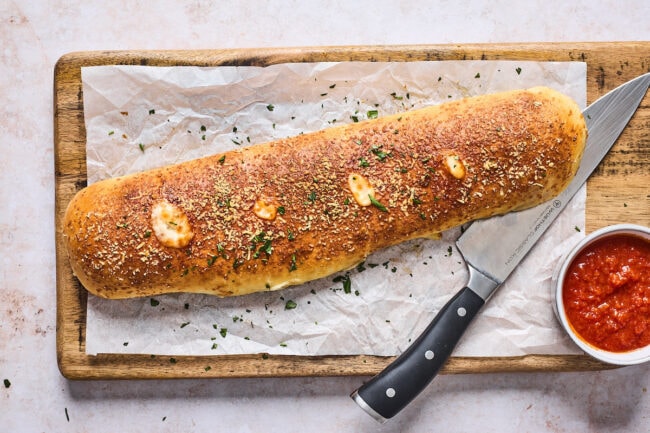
[292, 266]
[378, 205]
[290, 305]
[380, 154]
[223, 332]
[265, 248]
[372, 114]
[211, 260]
[203, 128]
[281, 210]
[222, 160]
[347, 282]
[147, 234]
[152, 111]
[312, 196]
[7, 383]
[141, 146]
[270, 107]
[363, 162]
[154, 302]
[478, 75]
[518, 71]
[184, 324]
[259, 237]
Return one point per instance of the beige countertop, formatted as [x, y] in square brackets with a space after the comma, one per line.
[35, 397]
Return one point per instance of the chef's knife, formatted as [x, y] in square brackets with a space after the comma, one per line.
[492, 248]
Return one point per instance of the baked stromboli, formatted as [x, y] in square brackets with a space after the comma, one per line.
[297, 209]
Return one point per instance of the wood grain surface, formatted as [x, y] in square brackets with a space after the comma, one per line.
[617, 192]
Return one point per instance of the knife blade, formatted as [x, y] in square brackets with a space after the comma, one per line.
[492, 248]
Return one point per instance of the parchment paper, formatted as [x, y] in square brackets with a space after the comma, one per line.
[141, 117]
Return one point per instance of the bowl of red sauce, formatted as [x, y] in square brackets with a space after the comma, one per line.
[602, 294]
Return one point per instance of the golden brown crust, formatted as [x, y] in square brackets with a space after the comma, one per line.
[282, 213]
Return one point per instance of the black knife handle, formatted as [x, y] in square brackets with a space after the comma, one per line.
[392, 389]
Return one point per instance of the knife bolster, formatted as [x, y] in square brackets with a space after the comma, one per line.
[481, 284]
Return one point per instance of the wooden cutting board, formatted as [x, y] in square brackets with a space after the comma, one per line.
[619, 191]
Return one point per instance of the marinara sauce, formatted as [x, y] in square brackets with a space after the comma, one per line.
[607, 293]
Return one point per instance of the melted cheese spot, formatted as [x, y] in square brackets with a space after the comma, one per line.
[170, 225]
[455, 166]
[361, 189]
[265, 210]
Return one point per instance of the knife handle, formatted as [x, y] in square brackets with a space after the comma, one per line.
[392, 389]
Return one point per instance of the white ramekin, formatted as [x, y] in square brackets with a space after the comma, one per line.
[637, 356]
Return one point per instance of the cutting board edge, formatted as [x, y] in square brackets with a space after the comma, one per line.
[70, 174]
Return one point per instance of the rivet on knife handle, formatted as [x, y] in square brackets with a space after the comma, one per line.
[391, 390]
